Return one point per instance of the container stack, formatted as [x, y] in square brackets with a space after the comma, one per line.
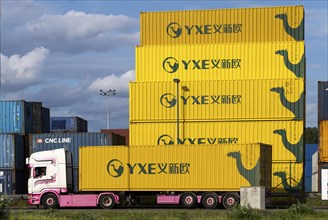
[17, 120]
[71, 142]
[323, 126]
[223, 77]
[68, 124]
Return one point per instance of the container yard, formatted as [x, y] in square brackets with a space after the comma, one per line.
[218, 104]
[224, 87]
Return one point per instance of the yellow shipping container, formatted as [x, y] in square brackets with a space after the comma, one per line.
[94, 163]
[285, 23]
[174, 168]
[287, 176]
[281, 99]
[274, 60]
[286, 137]
[323, 141]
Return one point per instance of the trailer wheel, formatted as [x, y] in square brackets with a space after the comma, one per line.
[50, 201]
[106, 201]
[230, 200]
[188, 200]
[210, 201]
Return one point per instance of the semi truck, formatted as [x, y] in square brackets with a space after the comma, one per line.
[184, 175]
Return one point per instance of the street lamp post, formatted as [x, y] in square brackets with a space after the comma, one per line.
[177, 81]
[107, 93]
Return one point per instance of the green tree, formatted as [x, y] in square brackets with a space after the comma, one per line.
[311, 135]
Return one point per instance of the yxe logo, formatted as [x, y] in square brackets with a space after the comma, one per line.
[175, 30]
[166, 139]
[171, 64]
[168, 100]
[115, 168]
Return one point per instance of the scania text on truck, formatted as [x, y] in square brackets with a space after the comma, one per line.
[187, 175]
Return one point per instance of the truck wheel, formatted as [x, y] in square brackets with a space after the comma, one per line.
[188, 200]
[230, 200]
[210, 201]
[107, 201]
[50, 201]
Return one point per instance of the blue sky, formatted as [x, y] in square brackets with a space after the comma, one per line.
[48, 56]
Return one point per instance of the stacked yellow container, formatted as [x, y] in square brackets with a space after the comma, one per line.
[223, 76]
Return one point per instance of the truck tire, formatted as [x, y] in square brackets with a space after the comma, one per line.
[50, 201]
[230, 200]
[210, 201]
[188, 200]
[107, 201]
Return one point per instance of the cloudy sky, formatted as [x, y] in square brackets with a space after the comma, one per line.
[62, 52]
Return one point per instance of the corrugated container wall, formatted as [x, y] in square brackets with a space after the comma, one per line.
[222, 26]
[122, 135]
[37, 116]
[274, 60]
[286, 137]
[287, 176]
[68, 124]
[323, 141]
[322, 100]
[45, 121]
[69, 141]
[12, 182]
[175, 168]
[310, 149]
[12, 151]
[233, 100]
[16, 117]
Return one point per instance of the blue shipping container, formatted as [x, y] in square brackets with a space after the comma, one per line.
[45, 120]
[69, 141]
[16, 117]
[310, 149]
[13, 182]
[322, 100]
[12, 151]
[68, 124]
[36, 109]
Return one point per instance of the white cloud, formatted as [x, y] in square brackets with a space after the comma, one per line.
[77, 31]
[21, 71]
[119, 83]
